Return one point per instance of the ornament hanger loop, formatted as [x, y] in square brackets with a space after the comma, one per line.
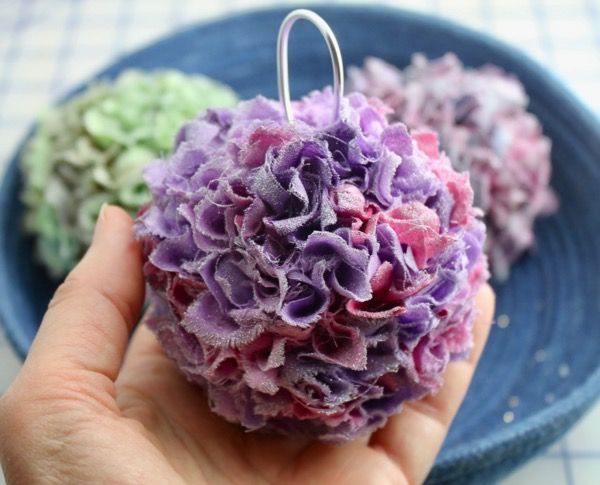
[282, 59]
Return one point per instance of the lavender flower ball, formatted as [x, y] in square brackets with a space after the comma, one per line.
[312, 276]
[484, 128]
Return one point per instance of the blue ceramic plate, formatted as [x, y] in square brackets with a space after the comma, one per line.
[552, 297]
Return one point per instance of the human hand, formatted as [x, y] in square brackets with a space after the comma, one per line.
[92, 406]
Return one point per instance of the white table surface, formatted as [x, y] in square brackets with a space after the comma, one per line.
[48, 46]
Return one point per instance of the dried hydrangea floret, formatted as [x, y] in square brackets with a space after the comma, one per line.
[480, 115]
[91, 150]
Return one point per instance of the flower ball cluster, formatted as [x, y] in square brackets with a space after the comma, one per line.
[480, 115]
[91, 150]
[310, 276]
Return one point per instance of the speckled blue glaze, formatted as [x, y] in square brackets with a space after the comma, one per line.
[552, 296]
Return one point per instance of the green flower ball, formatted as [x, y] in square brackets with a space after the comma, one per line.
[92, 149]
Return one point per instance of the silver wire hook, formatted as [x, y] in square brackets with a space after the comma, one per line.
[337, 64]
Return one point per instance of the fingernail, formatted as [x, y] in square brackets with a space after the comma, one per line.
[102, 210]
[100, 220]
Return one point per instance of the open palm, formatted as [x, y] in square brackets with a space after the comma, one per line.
[77, 413]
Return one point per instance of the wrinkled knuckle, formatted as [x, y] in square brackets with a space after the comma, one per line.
[10, 411]
[6, 416]
[9, 439]
[71, 289]
[138, 408]
[78, 291]
[15, 420]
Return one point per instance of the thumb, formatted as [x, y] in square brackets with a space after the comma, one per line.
[87, 324]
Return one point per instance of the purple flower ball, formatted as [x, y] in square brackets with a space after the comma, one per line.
[311, 276]
[484, 127]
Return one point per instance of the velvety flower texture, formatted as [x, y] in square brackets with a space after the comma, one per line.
[484, 128]
[310, 276]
